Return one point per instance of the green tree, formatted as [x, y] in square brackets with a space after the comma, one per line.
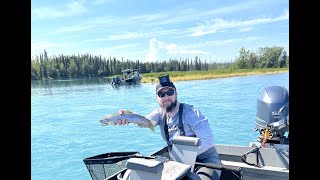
[243, 59]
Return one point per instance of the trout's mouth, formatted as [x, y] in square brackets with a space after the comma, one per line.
[102, 121]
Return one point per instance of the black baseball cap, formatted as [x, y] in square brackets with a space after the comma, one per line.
[164, 81]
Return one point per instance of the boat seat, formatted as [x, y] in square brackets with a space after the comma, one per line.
[175, 171]
[150, 169]
[185, 150]
[140, 169]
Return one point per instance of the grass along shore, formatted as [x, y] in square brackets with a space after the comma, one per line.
[211, 74]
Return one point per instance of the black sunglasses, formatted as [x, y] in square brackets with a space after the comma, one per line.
[169, 93]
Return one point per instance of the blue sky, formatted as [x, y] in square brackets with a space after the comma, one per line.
[157, 30]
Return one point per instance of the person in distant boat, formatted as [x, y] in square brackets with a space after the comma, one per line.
[116, 80]
[194, 123]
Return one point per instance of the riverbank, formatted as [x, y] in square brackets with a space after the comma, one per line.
[212, 74]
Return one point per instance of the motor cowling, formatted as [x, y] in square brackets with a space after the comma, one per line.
[273, 111]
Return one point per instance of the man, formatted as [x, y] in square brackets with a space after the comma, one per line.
[194, 124]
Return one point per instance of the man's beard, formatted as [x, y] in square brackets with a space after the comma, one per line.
[171, 107]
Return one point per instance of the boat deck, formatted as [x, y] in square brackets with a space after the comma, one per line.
[273, 162]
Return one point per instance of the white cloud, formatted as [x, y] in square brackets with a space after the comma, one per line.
[42, 45]
[127, 35]
[52, 48]
[219, 24]
[223, 42]
[183, 15]
[75, 28]
[118, 51]
[159, 50]
[245, 29]
[70, 9]
[152, 55]
[100, 2]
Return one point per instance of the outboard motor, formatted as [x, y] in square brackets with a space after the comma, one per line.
[272, 117]
[272, 122]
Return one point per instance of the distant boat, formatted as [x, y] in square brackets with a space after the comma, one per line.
[129, 76]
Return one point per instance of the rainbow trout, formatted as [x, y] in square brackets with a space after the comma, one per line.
[131, 117]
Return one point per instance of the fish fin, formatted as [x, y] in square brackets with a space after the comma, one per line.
[152, 125]
[152, 128]
[141, 125]
[144, 126]
[127, 112]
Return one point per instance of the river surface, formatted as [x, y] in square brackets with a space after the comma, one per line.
[65, 114]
